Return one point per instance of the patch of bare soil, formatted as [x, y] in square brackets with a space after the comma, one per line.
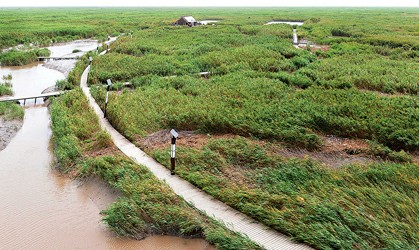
[63, 66]
[336, 152]
[237, 175]
[8, 129]
[316, 47]
[162, 139]
[415, 156]
[390, 95]
[313, 47]
[111, 150]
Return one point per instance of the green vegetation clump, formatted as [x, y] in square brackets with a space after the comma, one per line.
[365, 207]
[385, 153]
[5, 90]
[73, 79]
[63, 84]
[366, 67]
[15, 57]
[148, 206]
[10, 111]
[6, 85]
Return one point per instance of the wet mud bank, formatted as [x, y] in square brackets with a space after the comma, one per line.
[8, 129]
[63, 66]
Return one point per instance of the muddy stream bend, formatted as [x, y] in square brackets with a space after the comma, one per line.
[40, 209]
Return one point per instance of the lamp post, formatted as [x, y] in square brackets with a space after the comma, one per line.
[173, 151]
[107, 95]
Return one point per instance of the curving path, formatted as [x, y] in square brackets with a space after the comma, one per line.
[233, 219]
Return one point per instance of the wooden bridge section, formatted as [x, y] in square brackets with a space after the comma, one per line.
[24, 98]
[46, 59]
[294, 37]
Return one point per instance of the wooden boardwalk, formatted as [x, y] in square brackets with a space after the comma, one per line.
[233, 219]
[57, 58]
[294, 37]
[24, 98]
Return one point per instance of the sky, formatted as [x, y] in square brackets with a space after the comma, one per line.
[183, 3]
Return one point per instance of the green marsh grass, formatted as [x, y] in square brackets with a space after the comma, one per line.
[364, 207]
[11, 111]
[148, 206]
[22, 57]
[364, 85]
[8, 110]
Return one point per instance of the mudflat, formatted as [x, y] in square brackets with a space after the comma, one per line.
[8, 129]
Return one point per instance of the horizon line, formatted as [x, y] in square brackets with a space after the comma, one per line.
[220, 6]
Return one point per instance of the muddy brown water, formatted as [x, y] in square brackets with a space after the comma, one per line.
[39, 208]
[66, 49]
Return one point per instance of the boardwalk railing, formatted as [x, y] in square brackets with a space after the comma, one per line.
[24, 98]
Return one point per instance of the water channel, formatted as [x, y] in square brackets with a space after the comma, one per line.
[39, 208]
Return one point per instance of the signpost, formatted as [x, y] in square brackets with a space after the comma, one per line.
[107, 95]
[173, 151]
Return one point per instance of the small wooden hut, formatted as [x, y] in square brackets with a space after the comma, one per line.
[186, 20]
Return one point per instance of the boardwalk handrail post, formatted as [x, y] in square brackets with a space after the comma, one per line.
[107, 95]
[173, 151]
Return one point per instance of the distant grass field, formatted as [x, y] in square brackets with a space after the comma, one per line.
[252, 91]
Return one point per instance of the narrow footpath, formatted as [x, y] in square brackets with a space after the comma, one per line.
[233, 219]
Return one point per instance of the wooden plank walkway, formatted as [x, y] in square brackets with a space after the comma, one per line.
[233, 219]
[57, 58]
[294, 37]
[24, 98]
